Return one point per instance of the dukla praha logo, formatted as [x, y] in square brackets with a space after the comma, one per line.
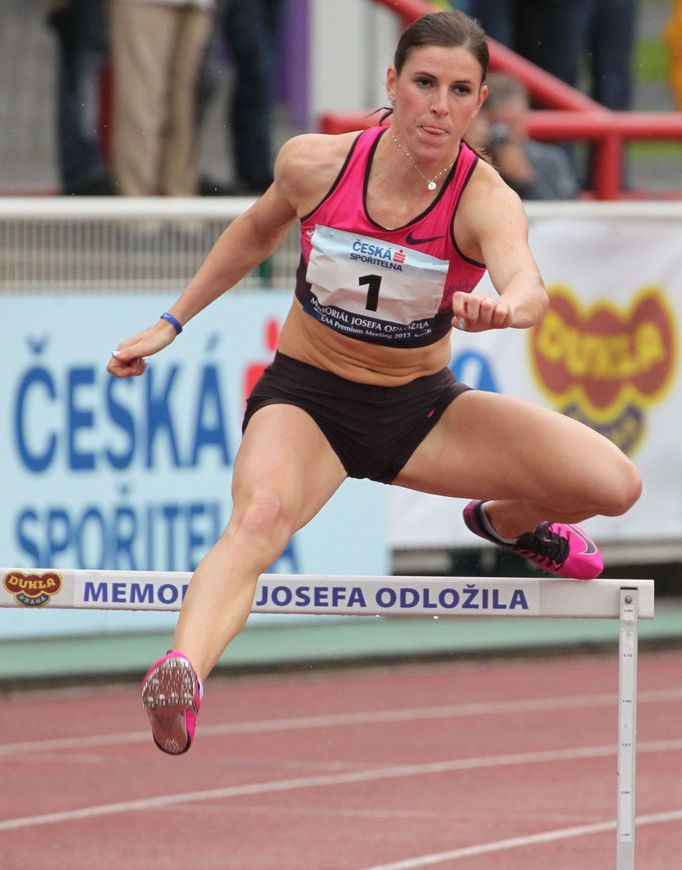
[32, 590]
[605, 365]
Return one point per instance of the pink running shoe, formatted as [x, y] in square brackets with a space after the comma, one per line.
[171, 695]
[558, 548]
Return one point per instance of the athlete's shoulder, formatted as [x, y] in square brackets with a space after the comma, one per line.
[307, 165]
[314, 151]
[486, 177]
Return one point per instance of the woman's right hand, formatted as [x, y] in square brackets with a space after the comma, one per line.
[128, 360]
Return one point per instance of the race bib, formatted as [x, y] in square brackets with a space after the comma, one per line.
[371, 289]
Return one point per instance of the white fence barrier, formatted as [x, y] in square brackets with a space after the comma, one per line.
[67, 244]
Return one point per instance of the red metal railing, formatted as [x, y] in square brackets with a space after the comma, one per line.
[407, 10]
[572, 114]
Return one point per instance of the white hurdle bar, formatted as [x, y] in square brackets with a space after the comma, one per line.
[333, 595]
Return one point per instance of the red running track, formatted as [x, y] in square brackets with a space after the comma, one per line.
[500, 764]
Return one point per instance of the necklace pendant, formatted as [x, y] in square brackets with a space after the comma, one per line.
[431, 185]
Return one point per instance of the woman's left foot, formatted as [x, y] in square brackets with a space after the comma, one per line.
[559, 548]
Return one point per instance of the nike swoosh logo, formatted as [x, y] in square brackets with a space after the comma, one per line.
[590, 546]
[412, 241]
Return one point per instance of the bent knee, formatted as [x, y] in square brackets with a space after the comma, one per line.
[624, 490]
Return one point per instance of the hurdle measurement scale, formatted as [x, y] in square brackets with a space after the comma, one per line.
[625, 600]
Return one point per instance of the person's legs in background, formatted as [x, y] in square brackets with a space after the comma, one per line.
[566, 38]
[178, 175]
[251, 30]
[142, 40]
[156, 51]
[564, 55]
[612, 45]
[518, 24]
[82, 33]
[498, 19]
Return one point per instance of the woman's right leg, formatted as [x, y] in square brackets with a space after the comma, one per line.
[284, 473]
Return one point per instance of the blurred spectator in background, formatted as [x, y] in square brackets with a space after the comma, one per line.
[673, 38]
[597, 36]
[247, 38]
[535, 170]
[251, 30]
[518, 24]
[81, 29]
[569, 39]
[566, 38]
[157, 49]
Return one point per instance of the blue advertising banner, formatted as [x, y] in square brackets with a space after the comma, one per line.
[135, 474]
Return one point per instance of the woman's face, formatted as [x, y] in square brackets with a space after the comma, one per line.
[435, 97]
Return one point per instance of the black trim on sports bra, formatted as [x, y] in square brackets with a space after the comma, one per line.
[452, 222]
[429, 207]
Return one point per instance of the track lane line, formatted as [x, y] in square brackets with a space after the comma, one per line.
[336, 720]
[517, 842]
[295, 784]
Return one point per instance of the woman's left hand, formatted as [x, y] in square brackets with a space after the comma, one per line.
[477, 313]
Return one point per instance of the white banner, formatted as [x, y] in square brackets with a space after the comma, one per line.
[606, 353]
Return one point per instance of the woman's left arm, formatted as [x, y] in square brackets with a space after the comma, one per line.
[497, 222]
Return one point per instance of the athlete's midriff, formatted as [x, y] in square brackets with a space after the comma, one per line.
[309, 341]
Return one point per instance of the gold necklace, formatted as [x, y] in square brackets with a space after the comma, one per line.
[430, 182]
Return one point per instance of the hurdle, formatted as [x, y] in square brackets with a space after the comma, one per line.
[628, 601]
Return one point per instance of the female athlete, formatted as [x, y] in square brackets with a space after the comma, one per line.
[398, 224]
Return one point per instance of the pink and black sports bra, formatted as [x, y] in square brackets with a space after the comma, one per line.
[386, 286]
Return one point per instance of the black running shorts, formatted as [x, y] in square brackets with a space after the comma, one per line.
[373, 430]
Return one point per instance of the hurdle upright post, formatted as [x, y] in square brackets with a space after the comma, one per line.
[627, 727]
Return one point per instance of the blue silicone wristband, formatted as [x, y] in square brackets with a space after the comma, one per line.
[175, 323]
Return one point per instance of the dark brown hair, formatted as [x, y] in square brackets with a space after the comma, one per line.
[446, 29]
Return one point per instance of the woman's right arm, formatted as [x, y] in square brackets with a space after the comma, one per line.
[245, 243]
